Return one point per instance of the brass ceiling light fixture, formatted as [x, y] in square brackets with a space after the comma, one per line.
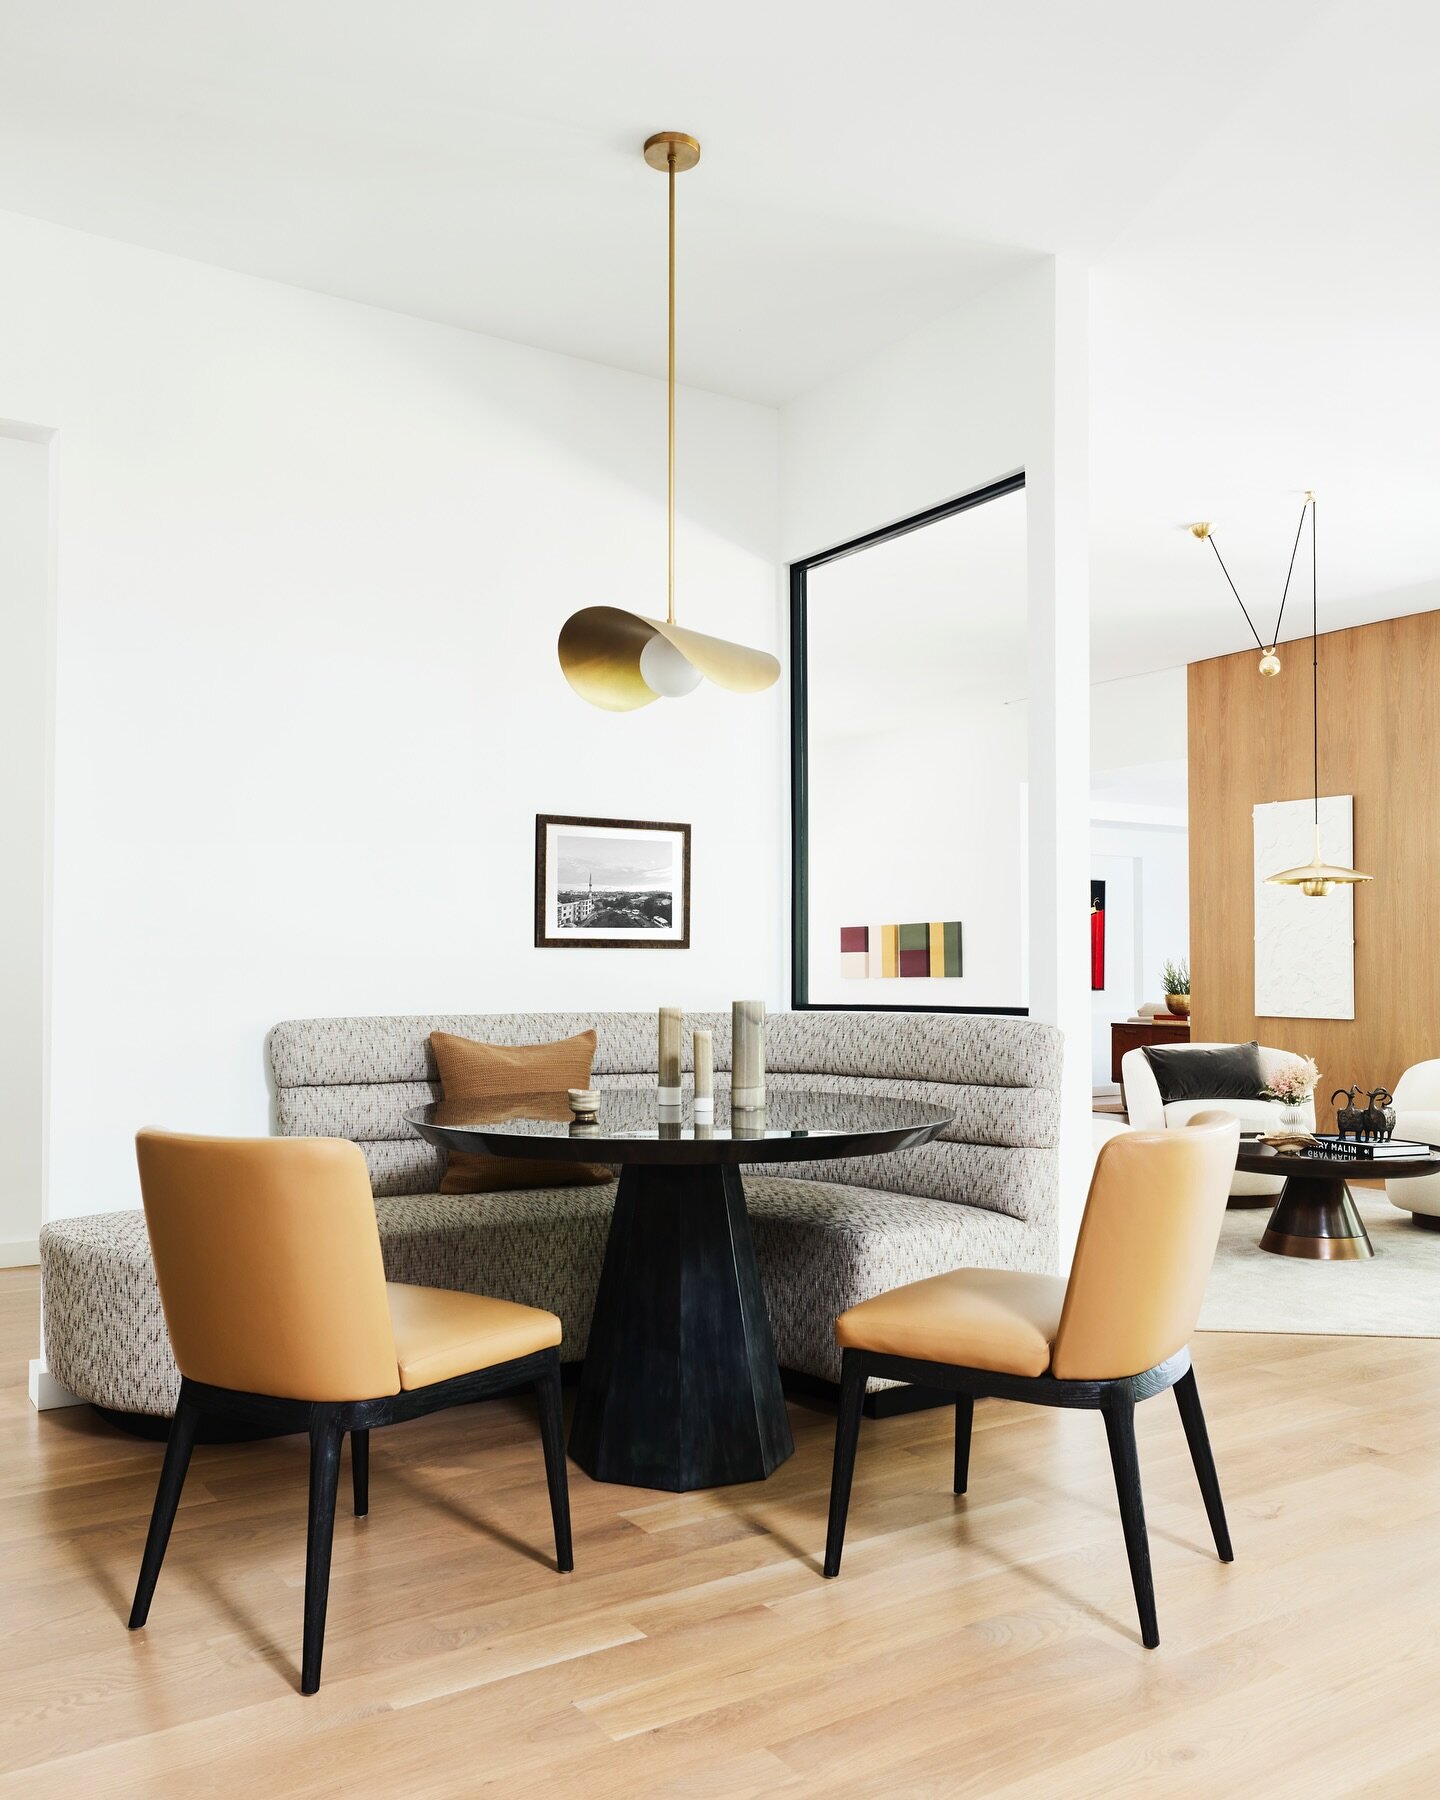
[1317, 877]
[621, 660]
[1269, 657]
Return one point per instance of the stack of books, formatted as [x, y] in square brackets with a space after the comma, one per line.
[1367, 1150]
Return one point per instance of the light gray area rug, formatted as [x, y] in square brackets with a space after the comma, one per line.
[1395, 1293]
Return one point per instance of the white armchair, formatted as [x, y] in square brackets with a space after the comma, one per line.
[1417, 1115]
[1148, 1112]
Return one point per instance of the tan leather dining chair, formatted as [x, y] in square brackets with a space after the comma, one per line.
[268, 1259]
[1115, 1334]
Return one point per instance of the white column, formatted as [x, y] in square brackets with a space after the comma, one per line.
[1057, 510]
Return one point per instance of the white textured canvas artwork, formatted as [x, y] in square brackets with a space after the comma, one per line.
[1304, 946]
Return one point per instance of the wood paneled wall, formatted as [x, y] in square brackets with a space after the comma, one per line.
[1380, 741]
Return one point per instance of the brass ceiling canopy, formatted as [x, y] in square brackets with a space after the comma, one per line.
[620, 660]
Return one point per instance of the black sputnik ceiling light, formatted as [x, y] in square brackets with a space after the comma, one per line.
[1317, 877]
[620, 660]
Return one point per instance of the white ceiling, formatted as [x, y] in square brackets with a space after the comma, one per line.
[1270, 322]
[865, 168]
[1256, 186]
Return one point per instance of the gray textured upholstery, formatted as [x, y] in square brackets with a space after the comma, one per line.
[827, 1234]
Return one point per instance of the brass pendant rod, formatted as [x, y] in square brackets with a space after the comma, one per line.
[670, 571]
[1236, 592]
[1288, 573]
[1315, 675]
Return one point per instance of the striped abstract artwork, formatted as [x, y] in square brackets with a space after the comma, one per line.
[932, 949]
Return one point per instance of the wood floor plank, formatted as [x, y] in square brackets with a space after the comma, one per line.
[981, 1645]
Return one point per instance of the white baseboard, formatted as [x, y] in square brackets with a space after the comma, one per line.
[18, 1253]
[46, 1393]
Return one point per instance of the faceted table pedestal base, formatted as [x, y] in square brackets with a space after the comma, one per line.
[680, 1388]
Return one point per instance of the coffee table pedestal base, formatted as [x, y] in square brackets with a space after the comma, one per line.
[680, 1388]
[1316, 1217]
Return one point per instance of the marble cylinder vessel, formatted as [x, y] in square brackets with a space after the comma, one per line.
[671, 1021]
[747, 1055]
[704, 1075]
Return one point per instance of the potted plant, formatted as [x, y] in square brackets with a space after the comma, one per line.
[1175, 979]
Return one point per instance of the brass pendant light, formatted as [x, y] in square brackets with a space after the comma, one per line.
[1317, 877]
[621, 660]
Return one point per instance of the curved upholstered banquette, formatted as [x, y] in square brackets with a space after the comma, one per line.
[827, 1234]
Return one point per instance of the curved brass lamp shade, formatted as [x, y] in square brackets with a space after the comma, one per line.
[600, 653]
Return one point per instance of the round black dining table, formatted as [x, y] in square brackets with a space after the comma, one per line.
[680, 1387]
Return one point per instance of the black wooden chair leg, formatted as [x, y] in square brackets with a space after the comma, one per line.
[167, 1498]
[964, 1419]
[557, 1475]
[1120, 1429]
[360, 1471]
[1187, 1398]
[326, 1435]
[847, 1439]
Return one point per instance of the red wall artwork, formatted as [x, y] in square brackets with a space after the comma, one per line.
[1097, 935]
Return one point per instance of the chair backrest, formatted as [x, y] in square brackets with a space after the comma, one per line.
[1147, 1240]
[268, 1260]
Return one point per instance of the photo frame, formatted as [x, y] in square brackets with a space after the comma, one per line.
[611, 884]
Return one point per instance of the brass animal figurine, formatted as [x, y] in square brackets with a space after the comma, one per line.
[1380, 1116]
[1350, 1118]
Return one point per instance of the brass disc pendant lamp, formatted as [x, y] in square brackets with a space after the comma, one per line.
[622, 660]
[1317, 877]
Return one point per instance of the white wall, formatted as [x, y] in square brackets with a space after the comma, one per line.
[889, 843]
[1139, 836]
[24, 783]
[1161, 854]
[312, 559]
[953, 406]
[998, 386]
[1139, 719]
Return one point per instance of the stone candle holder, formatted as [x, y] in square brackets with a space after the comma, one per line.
[747, 1056]
[704, 1048]
[671, 1023]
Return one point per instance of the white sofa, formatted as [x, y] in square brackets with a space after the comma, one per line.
[1417, 1115]
[1147, 1112]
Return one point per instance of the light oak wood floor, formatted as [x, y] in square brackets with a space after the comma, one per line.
[984, 1645]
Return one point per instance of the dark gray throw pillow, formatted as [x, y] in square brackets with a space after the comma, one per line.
[1226, 1072]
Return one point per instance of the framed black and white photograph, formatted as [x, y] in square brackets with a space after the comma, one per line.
[611, 884]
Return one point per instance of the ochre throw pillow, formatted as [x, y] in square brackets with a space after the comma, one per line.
[495, 1072]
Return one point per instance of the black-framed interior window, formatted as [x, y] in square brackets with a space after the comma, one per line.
[891, 746]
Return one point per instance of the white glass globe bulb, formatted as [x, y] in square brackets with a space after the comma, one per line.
[665, 671]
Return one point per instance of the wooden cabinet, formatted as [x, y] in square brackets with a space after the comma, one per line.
[1134, 1034]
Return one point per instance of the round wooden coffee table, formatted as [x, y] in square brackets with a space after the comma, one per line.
[1315, 1215]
